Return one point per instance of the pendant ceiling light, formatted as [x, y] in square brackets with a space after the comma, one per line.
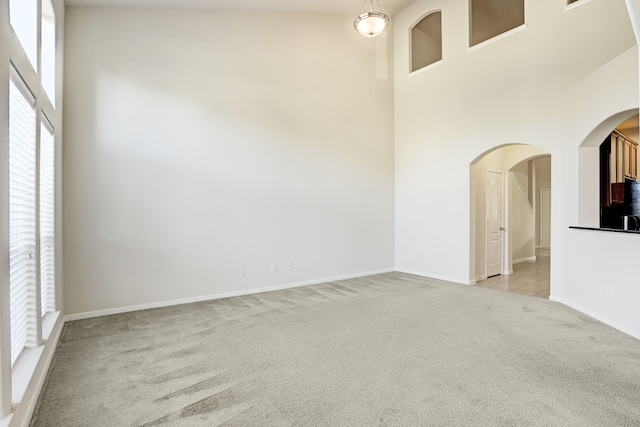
[371, 23]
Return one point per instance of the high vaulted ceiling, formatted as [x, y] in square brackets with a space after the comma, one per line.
[354, 7]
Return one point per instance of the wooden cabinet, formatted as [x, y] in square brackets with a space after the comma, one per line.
[630, 159]
[619, 164]
[623, 160]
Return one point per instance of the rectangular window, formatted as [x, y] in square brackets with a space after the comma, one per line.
[47, 219]
[22, 217]
[48, 50]
[23, 15]
[489, 19]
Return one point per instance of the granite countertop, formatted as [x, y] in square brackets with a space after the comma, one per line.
[610, 230]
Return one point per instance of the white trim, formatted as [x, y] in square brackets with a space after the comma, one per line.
[497, 38]
[22, 372]
[527, 259]
[6, 421]
[437, 277]
[24, 411]
[425, 68]
[159, 304]
[507, 272]
[575, 4]
[410, 37]
[47, 123]
[22, 86]
[49, 322]
[604, 319]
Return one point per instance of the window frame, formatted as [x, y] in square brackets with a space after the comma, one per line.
[23, 219]
[497, 36]
[17, 381]
[411, 39]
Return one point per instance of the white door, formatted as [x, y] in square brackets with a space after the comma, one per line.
[494, 223]
[545, 218]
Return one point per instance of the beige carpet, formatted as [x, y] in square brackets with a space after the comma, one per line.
[385, 350]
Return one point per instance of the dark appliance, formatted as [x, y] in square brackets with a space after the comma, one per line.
[635, 198]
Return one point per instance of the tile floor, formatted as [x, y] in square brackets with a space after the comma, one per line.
[528, 278]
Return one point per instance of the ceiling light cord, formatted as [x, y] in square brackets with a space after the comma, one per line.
[364, 6]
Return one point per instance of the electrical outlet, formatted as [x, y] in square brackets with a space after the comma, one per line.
[274, 268]
[289, 266]
[243, 272]
[426, 258]
[609, 292]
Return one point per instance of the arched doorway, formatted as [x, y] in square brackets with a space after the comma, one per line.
[510, 216]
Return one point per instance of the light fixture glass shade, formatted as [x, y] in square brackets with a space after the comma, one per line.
[373, 22]
[370, 24]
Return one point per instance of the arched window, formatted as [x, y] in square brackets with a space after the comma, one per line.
[489, 18]
[426, 41]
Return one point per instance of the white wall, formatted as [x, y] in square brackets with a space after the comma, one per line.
[599, 274]
[510, 90]
[552, 85]
[200, 143]
[192, 151]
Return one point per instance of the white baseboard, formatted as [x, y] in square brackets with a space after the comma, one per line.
[508, 272]
[159, 304]
[527, 259]
[604, 319]
[24, 411]
[437, 277]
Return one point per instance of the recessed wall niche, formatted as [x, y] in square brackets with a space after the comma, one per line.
[489, 18]
[426, 41]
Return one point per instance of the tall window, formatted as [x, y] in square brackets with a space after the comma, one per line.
[23, 15]
[489, 18]
[48, 50]
[426, 41]
[28, 122]
[47, 219]
[22, 217]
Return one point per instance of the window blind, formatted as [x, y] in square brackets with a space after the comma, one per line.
[22, 217]
[47, 220]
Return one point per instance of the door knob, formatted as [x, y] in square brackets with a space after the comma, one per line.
[502, 228]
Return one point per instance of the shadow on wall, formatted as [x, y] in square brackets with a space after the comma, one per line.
[504, 199]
